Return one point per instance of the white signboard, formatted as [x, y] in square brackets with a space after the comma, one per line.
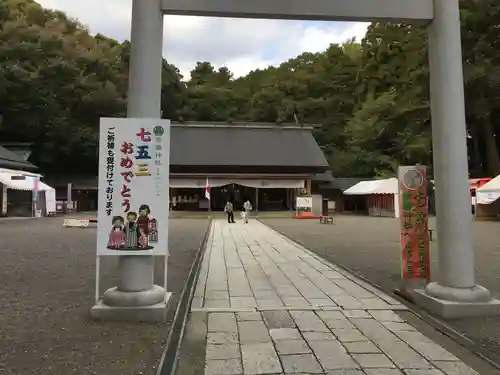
[134, 158]
[304, 203]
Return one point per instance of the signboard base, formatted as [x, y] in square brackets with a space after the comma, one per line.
[76, 223]
[152, 313]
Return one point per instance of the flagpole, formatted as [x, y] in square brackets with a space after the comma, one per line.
[207, 186]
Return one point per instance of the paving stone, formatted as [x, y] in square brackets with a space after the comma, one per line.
[383, 371]
[373, 361]
[229, 351]
[266, 294]
[339, 324]
[432, 351]
[285, 334]
[408, 336]
[423, 372]
[327, 316]
[289, 291]
[295, 301]
[308, 321]
[278, 319]
[386, 316]
[291, 347]
[248, 316]
[260, 359]
[223, 367]
[348, 371]
[222, 338]
[217, 294]
[252, 332]
[374, 304]
[240, 292]
[332, 274]
[454, 368]
[243, 302]
[221, 322]
[374, 330]
[216, 303]
[398, 326]
[321, 302]
[268, 303]
[332, 355]
[357, 314]
[348, 335]
[347, 302]
[402, 355]
[301, 363]
[319, 336]
[361, 347]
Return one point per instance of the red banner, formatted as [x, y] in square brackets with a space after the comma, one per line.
[414, 216]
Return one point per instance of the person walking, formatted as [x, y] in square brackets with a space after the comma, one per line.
[230, 212]
[247, 207]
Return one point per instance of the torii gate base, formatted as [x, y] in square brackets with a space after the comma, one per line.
[455, 294]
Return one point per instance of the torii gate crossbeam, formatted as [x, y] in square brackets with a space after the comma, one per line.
[311, 10]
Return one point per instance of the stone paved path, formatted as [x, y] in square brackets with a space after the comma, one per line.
[275, 308]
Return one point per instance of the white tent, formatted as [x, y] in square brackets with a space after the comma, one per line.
[489, 192]
[388, 186]
[378, 188]
[26, 181]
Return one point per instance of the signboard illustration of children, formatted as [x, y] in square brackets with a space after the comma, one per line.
[153, 230]
[117, 235]
[143, 223]
[131, 231]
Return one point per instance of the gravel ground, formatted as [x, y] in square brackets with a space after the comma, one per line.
[371, 248]
[47, 277]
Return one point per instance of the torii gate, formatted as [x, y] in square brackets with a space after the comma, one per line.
[456, 288]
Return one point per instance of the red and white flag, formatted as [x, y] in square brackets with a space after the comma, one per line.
[207, 190]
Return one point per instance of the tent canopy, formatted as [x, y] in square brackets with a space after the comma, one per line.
[21, 180]
[489, 192]
[387, 186]
[492, 186]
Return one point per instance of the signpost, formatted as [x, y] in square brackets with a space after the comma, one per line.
[415, 265]
[134, 158]
[304, 206]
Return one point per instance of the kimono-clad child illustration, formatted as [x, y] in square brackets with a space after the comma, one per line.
[117, 235]
[143, 223]
[131, 231]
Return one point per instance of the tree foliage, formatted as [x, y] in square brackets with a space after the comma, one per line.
[370, 100]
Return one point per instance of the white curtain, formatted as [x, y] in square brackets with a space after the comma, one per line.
[255, 183]
[271, 183]
[194, 183]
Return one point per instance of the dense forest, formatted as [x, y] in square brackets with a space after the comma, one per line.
[371, 98]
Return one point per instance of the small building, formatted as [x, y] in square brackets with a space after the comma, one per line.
[23, 194]
[381, 196]
[332, 188]
[268, 164]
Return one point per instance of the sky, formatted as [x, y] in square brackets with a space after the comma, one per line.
[240, 44]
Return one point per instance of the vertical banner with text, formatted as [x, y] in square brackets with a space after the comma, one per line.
[414, 222]
[134, 163]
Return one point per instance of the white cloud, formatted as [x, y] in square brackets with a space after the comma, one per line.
[240, 44]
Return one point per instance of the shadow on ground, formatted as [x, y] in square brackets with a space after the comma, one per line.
[47, 277]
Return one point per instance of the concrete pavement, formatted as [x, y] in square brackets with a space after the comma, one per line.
[275, 308]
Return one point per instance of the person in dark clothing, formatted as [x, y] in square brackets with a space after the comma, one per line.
[230, 212]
